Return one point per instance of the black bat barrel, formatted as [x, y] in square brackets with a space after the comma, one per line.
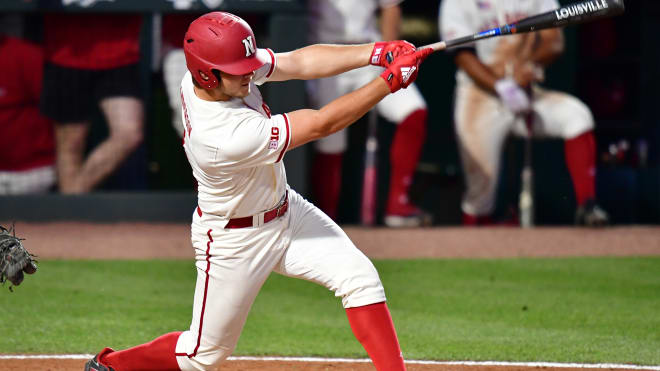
[576, 13]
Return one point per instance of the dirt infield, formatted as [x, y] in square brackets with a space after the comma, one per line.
[68, 240]
[71, 240]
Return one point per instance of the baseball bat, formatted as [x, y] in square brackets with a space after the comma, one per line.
[369, 188]
[526, 200]
[576, 13]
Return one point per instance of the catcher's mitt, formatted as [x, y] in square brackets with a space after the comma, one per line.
[14, 258]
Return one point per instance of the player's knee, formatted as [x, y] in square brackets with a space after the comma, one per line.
[360, 285]
[579, 120]
[130, 137]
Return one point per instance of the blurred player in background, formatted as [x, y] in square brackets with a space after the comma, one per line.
[249, 222]
[174, 27]
[496, 88]
[92, 60]
[351, 22]
[27, 144]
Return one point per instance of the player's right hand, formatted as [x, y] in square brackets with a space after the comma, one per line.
[404, 69]
[385, 52]
[512, 95]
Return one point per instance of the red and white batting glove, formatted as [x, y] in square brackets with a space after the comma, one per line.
[404, 69]
[386, 51]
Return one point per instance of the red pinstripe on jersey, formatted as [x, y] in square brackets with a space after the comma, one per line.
[272, 63]
[286, 140]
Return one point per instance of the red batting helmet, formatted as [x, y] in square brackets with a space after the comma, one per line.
[220, 41]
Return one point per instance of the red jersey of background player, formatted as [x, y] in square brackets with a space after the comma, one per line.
[27, 137]
[92, 41]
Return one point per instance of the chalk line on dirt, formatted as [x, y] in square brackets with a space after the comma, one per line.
[351, 360]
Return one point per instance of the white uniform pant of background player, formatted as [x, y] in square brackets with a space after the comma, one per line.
[482, 124]
[38, 180]
[394, 107]
[174, 68]
[233, 264]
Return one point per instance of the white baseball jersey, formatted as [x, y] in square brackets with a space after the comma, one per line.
[466, 17]
[226, 142]
[345, 21]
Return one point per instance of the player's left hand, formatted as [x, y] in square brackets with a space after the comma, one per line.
[385, 52]
[512, 95]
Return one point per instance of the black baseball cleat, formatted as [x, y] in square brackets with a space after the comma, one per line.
[95, 364]
[591, 215]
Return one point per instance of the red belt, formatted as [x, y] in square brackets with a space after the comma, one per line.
[249, 221]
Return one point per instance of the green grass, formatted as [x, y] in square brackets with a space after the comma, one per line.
[561, 310]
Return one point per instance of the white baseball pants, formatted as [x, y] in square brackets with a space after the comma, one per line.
[233, 264]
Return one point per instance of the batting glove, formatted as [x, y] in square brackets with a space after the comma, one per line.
[404, 69]
[512, 95]
[387, 51]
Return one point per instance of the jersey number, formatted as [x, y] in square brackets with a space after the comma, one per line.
[249, 46]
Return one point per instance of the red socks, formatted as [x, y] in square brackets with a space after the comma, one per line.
[474, 220]
[580, 153]
[371, 324]
[373, 328]
[406, 148]
[157, 355]
[326, 182]
[405, 151]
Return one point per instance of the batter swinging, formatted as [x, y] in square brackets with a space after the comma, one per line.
[249, 222]
[491, 101]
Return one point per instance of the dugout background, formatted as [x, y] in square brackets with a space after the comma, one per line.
[611, 65]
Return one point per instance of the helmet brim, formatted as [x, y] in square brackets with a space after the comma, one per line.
[245, 66]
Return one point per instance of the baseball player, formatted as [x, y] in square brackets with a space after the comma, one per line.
[27, 143]
[248, 222]
[497, 86]
[92, 61]
[350, 22]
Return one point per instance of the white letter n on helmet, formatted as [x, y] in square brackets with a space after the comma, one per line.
[249, 46]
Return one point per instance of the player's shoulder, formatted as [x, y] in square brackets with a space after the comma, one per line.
[450, 9]
[454, 4]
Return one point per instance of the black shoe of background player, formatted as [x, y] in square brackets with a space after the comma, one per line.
[591, 215]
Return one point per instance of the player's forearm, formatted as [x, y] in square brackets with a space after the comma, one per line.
[551, 47]
[347, 109]
[321, 60]
[390, 23]
[481, 74]
[309, 125]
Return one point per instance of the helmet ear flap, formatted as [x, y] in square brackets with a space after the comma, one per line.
[208, 80]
